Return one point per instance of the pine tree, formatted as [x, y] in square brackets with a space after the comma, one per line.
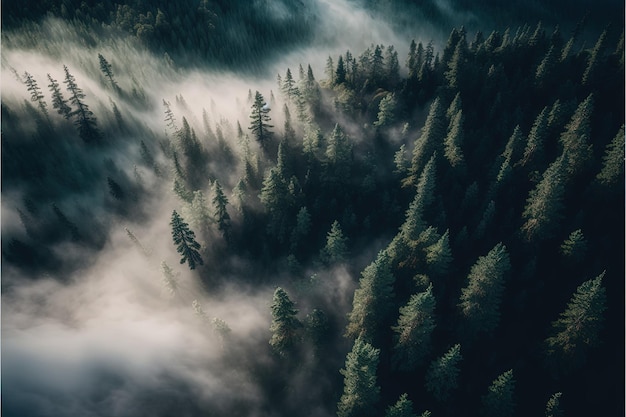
[613, 161]
[442, 375]
[67, 224]
[330, 71]
[576, 150]
[499, 401]
[184, 239]
[575, 246]
[285, 325]
[302, 228]
[197, 212]
[340, 72]
[336, 249]
[480, 299]
[533, 152]
[35, 93]
[402, 408]
[386, 111]
[221, 214]
[544, 204]
[58, 102]
[289, 88]
[413, 330]
[275, 197]
[439, 255]
[170, 279]
[592, 63]
[145, 251]
[412, 60]
[373, 298]
[107, 70]
[578, 327]
[361, 392]
[426, 185]
[545, 70]
[454, 140]
[85, 120]
[260, 118]
[553, 407]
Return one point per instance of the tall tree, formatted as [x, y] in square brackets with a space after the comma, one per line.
[184, 239]
[35, 93]
[442, 375]
[578, 327]
[553, 407]
[361, 392]
[413, 330]
[613, 161]
[533, 152]
[336, 249]
[499, 401]
[58, 102]
[373, 300]
[259, 120]
[107, 70]
[575, 246]
[221, 214]
[402, 408]
[85, 120]
[386, 111]
[454, 140]
[576, 149]
[480, 299]
[285, 325]
[594, 57]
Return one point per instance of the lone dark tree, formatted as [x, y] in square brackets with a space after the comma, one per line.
[259, 120]
[285, 325]
[184, 239]
[85, 120]
[107, 70]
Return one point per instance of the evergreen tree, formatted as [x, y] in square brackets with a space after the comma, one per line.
[145, 251]
[499, 401]
[413, 330]
[578, 327]
[35, 93]
[197, 212]
[336, 249]
[439, 255]
[386, 111]
[412, 60]
[115, 190]
[402, 408]
[576, 150]
[276, 198]
[330, 71]
[184, 239]
[613, 161]
[302, 228]
[575, 246]
[317, 327]
[426, 185]
[544, 204]
[553, 407]
[67, 224]
[260, 118]
[58, 102]
[545, 70]
[340, 72]
[107, 70]
[361, 392]
[170, 279]
[373, 300]
[392, 67]
[454, 140]
[480, 299]
[442, 375]
[221, 214]
[285, 325]
[594, 56]
[85, 120]
[289, 88]
[533, 152]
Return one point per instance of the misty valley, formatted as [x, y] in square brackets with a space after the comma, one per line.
[344, 208]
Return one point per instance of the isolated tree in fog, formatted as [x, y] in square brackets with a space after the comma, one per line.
[85, 120]
[413, 330]
[480, 299]
[259, 119]
[35, 93]
[285, 325]
[58, 102]
[499, 402]
[107, 70]
[442, 375]
[578, 327]
[184, 239]
[361, 392]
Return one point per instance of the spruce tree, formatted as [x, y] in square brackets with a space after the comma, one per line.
[553, 407]
[35, 93]
[85, 121]
[221, 214]
[107, 70]
[454, 140]
[533, 152]
[439, 255]
[480, 299]
[413, 330]
[499, 401]
[58, 102]
[184, 239]
[285, 325]
[443, 373]
[402, 408]
[386, 111]
[576, 149]
[575, 246]
[336, 249]
[613, 161]
[259, 120]
[578, 327]
[373, 300]
[361, 392]
[170, 279]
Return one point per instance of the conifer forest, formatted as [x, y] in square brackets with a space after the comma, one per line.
[351, 208]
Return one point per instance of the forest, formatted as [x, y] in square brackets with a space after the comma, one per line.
[344, 208]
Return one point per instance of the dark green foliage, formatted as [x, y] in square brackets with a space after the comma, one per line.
[575, 138]
[442, 375]
[35, 93]
[413, 330]
[613, 161]
[184, 239]
[221, 214]
[454, 139]
[575, 246]
[361, 392]
[553, 407]
[480, 299]
[336, 249]
[285, 325]
[259, 119]
[84, 119]
[107, 70]
[58, 102]
[402, 408]
[499, 401]
[317, 328]
[578, 327]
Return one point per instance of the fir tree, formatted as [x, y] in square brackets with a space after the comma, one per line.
[85, 120]
[184, 239]
[480, 299]
[592, 63]
[442, 375]
[454, 140]
[578, 327]
[413, 330]
[336, 249]
[402, 408]
[107, 70]
[260, 118]
[439, 255]
[35, 93]
[221, 214]
[575, 246]
[533, 152]
[58, 102]
[361, 392]
[372, 300]
[170, 279]
[553, 407]
[387, 109]
[285, 325]
[576, 150]
[499, 401]
[613, 161]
